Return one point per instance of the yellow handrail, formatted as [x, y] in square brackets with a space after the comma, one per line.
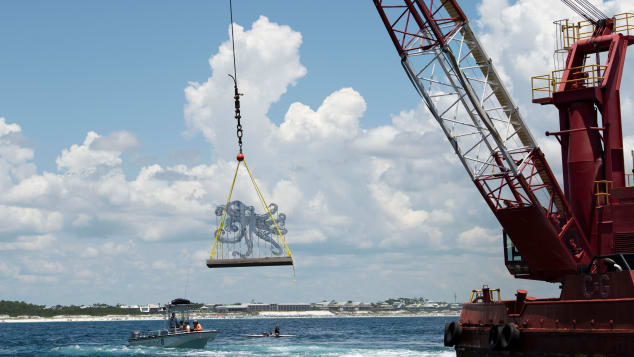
[624, 23]
[590, 75]
[544, 88]
[572, 32]
[603, 197]
[577, 31]
[479, 295]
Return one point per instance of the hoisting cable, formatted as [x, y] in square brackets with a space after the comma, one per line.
[586, 10]
[580, 11]
[237, 94]
[592, 9]
[240, 157]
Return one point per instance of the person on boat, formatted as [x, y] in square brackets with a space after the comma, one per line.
[277, 330]
[185, 327]
[173, 323]
[197, 326]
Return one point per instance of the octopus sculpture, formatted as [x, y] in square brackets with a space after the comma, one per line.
[242, 223]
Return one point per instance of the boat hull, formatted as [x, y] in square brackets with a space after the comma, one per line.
[545, 342]
[197, 339]
[549, 327]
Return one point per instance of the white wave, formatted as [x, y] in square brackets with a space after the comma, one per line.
[244, 350]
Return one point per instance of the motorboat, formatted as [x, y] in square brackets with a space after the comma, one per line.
[172, 335]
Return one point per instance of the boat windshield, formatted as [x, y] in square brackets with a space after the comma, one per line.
[177, 313]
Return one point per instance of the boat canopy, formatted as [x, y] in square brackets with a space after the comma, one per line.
[180, 301]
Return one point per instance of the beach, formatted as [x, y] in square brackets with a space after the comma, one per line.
[215, 316]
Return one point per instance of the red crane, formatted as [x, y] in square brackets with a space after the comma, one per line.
[581, 236]
[456, 79]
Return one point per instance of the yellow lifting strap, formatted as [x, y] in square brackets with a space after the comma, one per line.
[218, 243]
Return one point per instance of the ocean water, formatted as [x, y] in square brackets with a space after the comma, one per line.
[366, 336]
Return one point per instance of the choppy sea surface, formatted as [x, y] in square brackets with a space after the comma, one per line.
[367, 336]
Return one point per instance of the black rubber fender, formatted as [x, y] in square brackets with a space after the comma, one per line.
[510, 336]
[495, 338]
[453, 333]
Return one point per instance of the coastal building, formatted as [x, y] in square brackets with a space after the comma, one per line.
[262, 307]
[151, 308]
[232, 308]
[414, 307]
[411, 305]
[323, 305]
[258, 307]
[293, 307]
[334, 306]
[352, 306]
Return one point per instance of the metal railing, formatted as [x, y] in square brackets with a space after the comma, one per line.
[590, 75]
[478, 295]
[538, 86]
[624, 23]
[571, 32]
[603, 196]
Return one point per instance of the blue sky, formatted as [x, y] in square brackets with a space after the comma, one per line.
[123, 66]
[117, 143]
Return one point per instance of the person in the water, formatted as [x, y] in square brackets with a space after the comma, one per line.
[277, 330]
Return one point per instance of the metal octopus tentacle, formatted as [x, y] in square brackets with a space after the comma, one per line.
[242, 220]
[266, 236]
[232, 223]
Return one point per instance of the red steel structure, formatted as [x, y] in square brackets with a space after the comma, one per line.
[582, 236]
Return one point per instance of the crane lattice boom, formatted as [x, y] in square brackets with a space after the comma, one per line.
[462, 90]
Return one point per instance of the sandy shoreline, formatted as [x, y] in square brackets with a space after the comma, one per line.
[263, 315]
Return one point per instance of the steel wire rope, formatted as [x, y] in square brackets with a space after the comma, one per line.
[240, 157]
[237, 94]
[593, 9]
[587, 10]
[578, 10]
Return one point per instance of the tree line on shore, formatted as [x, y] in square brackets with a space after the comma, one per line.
[21, 308]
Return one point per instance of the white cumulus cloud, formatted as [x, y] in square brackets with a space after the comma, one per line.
[388, 203]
